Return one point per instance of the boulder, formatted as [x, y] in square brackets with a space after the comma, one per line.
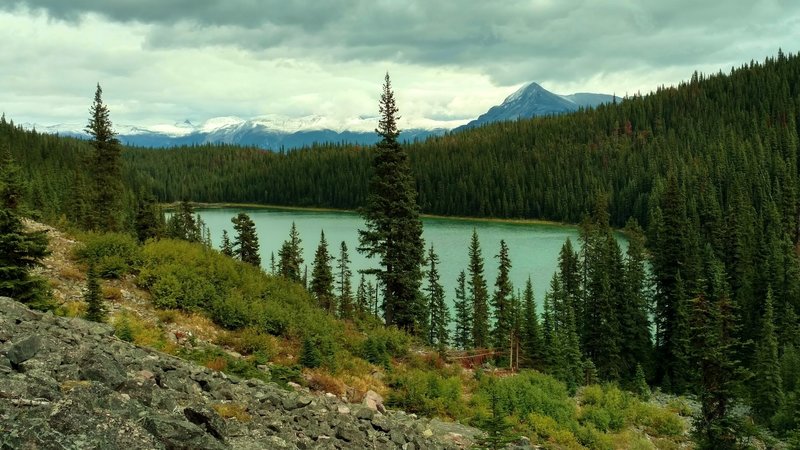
[373, 401]
[23, 350]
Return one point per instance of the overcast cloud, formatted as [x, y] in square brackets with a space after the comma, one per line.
[165, 61]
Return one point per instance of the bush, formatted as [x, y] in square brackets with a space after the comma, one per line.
[113, 254]
[427, 393]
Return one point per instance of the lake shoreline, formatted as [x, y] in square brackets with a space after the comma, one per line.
[424, 216]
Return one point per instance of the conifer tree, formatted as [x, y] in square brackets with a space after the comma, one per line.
[635, 340]
[95, 309]
[106, 168]
[272, 263]
[496, 427]
[310, 354]
[439, 333]
[640, 387]
[322, 277]
[149, 220]
[346, 307]
[767, 387]
[226, 247]
[463, 310]
[20, 250]
[393, 227]
[184, 224]
[478, 294]
[362, 301]
[532, 345]
[501, 300]
[714, 348]
[290, 257]
[245, 244]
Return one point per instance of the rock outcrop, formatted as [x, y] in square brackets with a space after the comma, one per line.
[70, 384]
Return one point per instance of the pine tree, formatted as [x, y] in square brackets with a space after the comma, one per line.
[106, 168]
[346, 307]
[272, 263]
[245, 244]
[439, 334]
[226, 247]
[95, 309]
[532, 345]
[149, 220]
[310, 354]
[496, 427]
[767, 393]
[714, 348]
[362, 301]
[393, 227]
[635, 339]
[501, 300]
[20, 250]
[322, 277]
[478, 295]
[184, 224]
[290, 257]
[640, 387]
[463, 310]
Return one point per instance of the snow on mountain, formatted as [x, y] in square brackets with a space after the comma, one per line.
[532, 100]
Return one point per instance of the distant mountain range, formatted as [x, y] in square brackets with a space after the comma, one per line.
[269, 132]
[276, 132]
[532, 100]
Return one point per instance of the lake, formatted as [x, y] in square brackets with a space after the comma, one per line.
[533, 248]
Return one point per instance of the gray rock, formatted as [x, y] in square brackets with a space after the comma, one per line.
[176, 434]
[381, 423]
[349, 433]
[24, 350]
[96, 366]
[207, 419]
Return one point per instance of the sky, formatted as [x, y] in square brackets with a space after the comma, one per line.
[166, 61]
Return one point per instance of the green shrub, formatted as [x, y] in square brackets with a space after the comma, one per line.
[113, 254]
[426, 393]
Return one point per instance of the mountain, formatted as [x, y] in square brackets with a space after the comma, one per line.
[533, 100]
[271, 132]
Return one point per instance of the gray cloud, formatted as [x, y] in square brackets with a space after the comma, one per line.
[512, 41]
[162, 59]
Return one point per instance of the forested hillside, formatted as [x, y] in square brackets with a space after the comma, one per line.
[709, 169]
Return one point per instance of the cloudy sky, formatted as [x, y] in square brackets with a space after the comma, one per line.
[164, 61]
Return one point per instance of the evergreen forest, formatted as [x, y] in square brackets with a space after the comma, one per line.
[704, 179]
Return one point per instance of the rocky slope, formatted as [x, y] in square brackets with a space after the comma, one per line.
[70, 384]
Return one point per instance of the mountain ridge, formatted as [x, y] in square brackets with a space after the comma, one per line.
[532, 100]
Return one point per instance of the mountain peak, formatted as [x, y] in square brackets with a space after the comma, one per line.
[532, 100]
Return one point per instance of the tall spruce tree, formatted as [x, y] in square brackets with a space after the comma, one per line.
[105, 168]
[344, 284]
[393, 228]
[322, 277]
[245, 243]
[362, 301]
[439, 331]
[20, 250]
[532, 345]
[635, 340]
[463, 309]
[478, 294]
[767, 387]
[290, 258]
[501, 301]
[714, 350]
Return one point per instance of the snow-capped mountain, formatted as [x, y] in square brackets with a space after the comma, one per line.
[533, 100]
[272, 131]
